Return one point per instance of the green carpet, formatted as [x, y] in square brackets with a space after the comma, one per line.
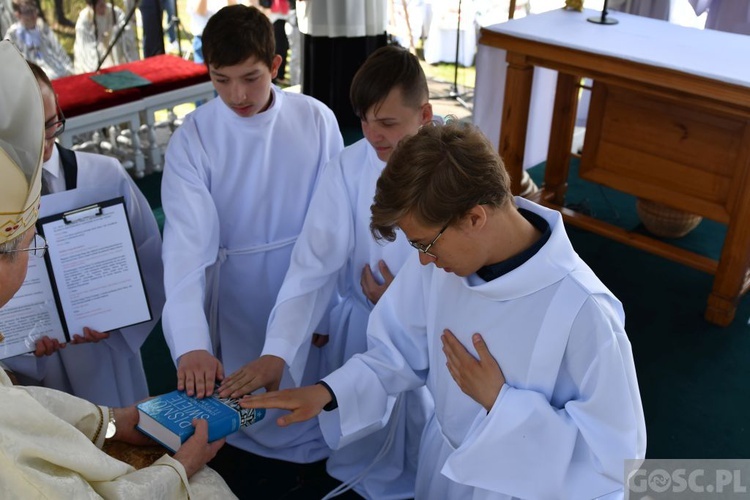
[694, 377]
[157, 361]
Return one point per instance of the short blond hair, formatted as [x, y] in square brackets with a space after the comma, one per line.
[437, 176]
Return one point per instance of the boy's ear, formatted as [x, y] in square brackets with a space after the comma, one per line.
[476, 218]
[426, 113]
[275, 64]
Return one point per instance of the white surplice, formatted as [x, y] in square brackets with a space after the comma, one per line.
[570, 411]
[47, 452]
[330, 253]
[109, 372]
[342, 18]
[235, 192]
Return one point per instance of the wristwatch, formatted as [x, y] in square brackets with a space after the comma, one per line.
[111, 425]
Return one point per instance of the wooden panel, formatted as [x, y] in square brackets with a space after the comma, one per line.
[666, 128]
[656, 148]
[659, 179]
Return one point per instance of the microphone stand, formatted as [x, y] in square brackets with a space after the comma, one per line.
[177, 24]
[454, 93]
[114, 41]
[603, 19]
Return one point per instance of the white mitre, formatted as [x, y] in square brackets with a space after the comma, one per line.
[21, 144]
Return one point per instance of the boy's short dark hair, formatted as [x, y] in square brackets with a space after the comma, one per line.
[17, 4]
[387, 68]
[438, 176]
[236, 33]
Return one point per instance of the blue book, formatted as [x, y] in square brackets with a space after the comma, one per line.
[168, 418]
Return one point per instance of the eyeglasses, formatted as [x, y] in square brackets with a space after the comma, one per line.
[37, 248]
[28, 11]
[425, 249]
[56, 128]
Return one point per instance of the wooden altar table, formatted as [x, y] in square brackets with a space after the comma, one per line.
[669, 121]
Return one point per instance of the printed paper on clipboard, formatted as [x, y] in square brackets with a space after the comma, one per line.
[31, 314]
[94, 267]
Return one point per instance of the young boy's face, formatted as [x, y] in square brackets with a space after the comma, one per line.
[245, 87]
[27, 15]
[454, 248]
[389, 121]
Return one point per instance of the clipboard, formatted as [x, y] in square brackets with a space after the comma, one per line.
[93, 279]
[81, 213]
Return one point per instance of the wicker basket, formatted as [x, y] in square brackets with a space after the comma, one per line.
[528, 186]
[665, 221]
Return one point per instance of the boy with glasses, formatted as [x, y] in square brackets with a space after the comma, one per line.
[522, 347]
[335, 255]
[237, 183]
[103, 367]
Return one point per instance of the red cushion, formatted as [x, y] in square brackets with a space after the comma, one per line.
[79, 94]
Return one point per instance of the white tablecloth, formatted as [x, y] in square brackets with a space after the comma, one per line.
[488, 103]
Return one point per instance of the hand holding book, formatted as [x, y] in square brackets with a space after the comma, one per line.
[193, 454]
[168, 419]
[197, 451]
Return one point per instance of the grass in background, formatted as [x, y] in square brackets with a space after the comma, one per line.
[445, 72]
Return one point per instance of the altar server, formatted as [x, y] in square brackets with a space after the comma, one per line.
[336, 250]
[51, 440]
[522, 347]
[238, 179]
[103, 367]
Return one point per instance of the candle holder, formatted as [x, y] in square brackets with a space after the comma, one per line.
[603, 19]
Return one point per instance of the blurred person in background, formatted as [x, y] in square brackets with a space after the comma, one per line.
[96, 28]
[36, 41]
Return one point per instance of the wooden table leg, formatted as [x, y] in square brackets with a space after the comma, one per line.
[515, 117]
[731, 278]
[561, 138]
